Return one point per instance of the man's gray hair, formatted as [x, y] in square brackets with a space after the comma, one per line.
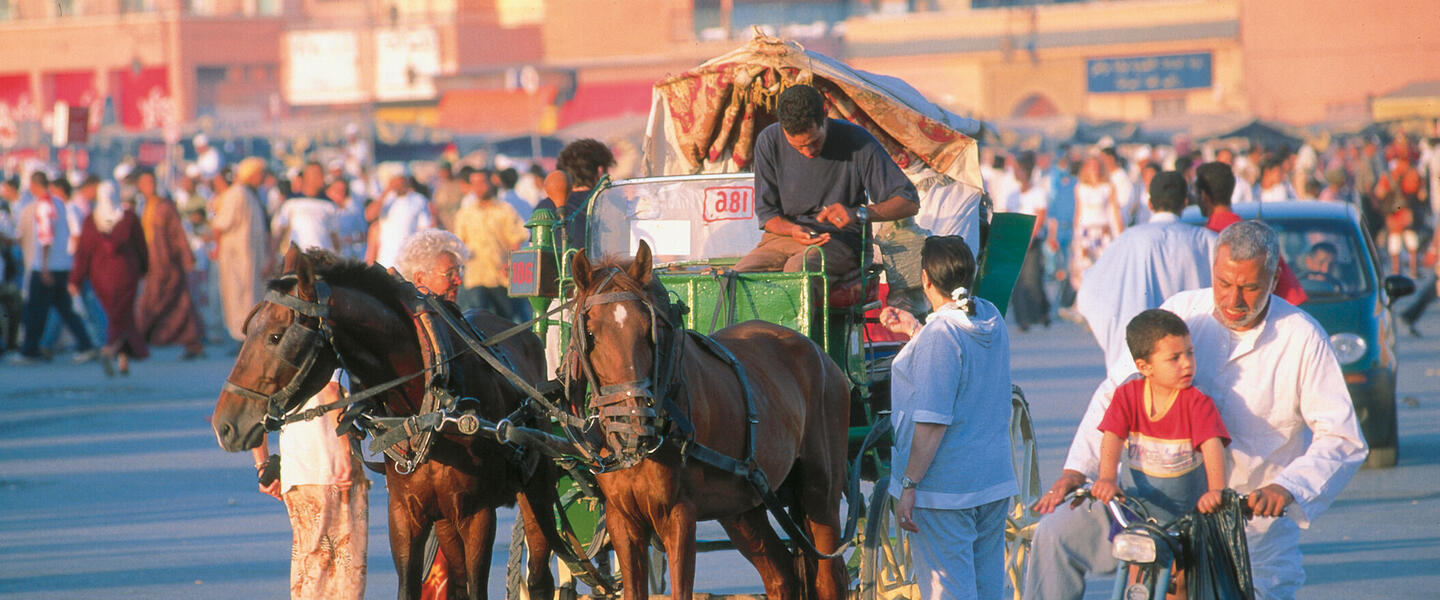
[420, 250]
[1248, 240]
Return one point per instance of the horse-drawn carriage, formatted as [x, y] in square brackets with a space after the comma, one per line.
[684, 390]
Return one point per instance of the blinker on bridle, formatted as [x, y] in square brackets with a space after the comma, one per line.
[299, 339]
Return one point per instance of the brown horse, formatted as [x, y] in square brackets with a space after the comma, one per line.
[465, 478]
[801, 401]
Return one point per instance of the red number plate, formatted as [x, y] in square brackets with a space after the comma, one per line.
[735, 203]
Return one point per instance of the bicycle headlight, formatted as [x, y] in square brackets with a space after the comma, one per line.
[1348, 347]
[1134, 548]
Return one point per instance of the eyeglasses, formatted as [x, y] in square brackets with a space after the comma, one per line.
[455, 272]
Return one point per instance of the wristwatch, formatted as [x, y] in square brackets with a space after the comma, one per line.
[906, 483]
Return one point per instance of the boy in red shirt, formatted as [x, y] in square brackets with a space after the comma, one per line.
[1170, 428]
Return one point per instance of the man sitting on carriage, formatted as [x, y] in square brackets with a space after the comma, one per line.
[812, 174]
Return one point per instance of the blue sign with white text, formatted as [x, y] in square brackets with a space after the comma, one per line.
[1148, 73]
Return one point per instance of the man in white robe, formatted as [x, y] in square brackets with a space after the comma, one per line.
[1140, 269]
[1295, 440]
[242, 246]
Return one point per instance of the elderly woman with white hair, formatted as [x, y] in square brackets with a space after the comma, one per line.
[433, 260]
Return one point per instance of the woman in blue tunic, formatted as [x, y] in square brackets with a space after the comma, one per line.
[951, 469]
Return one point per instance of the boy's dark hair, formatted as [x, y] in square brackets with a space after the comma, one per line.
[581, 160]
[1217, 180]
[465, 173]
[63, 185]
[948, 262]
[1148, 328]
[799, 108]
[509, 177]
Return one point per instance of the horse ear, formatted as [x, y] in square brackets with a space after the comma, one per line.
[580, 270]
[304, 275]
[640, 267]
[292, 260]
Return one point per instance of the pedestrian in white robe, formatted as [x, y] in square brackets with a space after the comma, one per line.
[1141, 268]
[1295, 439]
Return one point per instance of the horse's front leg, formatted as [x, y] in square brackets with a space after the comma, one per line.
[478, 534]
[678, 534]
[631, 537]
[408, 532]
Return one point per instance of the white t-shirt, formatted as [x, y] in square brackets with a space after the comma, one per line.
[400, 217]
[311, 221]
[311, 453]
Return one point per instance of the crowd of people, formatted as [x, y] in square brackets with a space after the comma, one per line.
[1085, 196]
[122, 263]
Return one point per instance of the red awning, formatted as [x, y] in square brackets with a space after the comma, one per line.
[75, 88]
[17, 108]
[606, 100]
[144, 98]
[493, 111]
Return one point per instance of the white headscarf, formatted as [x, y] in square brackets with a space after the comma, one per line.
[107, 208]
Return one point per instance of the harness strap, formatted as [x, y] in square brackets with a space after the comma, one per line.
[368, 393]
[729, 280]
[495, 363]
[319, 310]
[398, 429]
[513, 331]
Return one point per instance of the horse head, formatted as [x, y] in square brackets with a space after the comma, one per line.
[626, 346]
[284, 359]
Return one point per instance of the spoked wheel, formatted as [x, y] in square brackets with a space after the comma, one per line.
[886, 570]
[584, 557]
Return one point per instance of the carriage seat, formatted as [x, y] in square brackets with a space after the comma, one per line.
[848, 292]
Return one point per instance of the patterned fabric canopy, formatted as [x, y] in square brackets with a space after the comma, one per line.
[712, 113]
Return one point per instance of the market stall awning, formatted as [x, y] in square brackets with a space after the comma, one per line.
[1266, 133]
[1419, 99]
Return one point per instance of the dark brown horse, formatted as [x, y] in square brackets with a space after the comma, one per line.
[802, 403]
[465, 478]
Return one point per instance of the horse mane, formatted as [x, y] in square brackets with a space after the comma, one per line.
[369, 278]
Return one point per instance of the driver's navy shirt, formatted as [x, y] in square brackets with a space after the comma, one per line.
[851, 165]
[577, 205]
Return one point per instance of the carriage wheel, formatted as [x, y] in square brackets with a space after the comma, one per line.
[885, 564]
[566, 584]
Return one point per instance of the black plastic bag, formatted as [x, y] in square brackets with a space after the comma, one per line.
[1217, 564]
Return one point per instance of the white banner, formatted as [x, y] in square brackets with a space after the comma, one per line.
[324, 67]
[406, 61]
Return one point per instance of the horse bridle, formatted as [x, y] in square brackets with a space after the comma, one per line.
[298, 337]
[627, 411]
